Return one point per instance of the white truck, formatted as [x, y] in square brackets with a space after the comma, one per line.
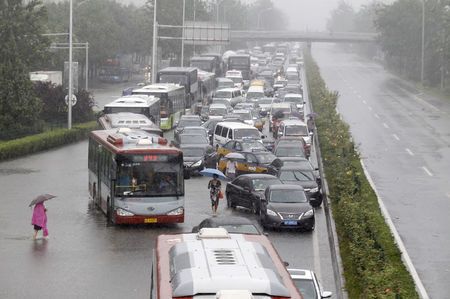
[54, 77]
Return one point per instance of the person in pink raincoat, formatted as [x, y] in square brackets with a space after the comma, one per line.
[39, 220]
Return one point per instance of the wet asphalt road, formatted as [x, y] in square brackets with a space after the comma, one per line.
[404, 138]
[85, 258]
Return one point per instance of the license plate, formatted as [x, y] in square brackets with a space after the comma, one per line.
[290, 222]
[150, 220]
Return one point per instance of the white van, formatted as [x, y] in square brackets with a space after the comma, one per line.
[226, 131]
[255, 92]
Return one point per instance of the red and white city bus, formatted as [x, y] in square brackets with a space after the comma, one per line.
[135, 177]
[213, 262]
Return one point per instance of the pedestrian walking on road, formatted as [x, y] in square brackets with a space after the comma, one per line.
[231, 169]
[39, 220]
[214, 187]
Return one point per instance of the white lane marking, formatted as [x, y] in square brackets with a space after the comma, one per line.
[364, 101]
[396, 137]
[385, 125]
[359, 96]
[405, 256]
[409, 152]
[316, 253]
[425, 102]
[370, 108]
[427, 171]
[377, 116]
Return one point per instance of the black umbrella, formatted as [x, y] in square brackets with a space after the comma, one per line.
[41, 198]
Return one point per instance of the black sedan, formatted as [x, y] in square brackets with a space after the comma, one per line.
[197, 157]
[233, 225]
[247, 190]
[286, 206]
[288, 151]
[305, 177]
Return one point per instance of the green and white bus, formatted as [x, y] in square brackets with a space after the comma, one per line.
[172, 100]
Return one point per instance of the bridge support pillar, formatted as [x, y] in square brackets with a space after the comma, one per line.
[308, 44]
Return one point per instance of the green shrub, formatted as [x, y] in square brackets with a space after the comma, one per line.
[372, 261]
[39, 142]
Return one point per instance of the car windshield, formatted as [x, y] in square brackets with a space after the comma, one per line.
[265, 101]
[297, 130]
[138, 177]
[255, 94]
[306, 287]
[293, 99]
[193, 152]
[189, 123]
[265, 158]
[242, 133]
[235, 79]
[288, 196]
[241, 229]
[251, 145]
[222, 94]
[217, 111]
[244, 115]
[292, 151]
[193, 139]
[296, 175]
[262, 184]
[196, 131]
[226, 84]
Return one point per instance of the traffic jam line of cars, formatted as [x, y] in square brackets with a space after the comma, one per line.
[274, 178]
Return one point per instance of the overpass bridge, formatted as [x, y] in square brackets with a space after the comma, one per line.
[302, 36]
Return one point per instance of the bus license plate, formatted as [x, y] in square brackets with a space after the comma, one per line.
[150, 220]
[290, 222]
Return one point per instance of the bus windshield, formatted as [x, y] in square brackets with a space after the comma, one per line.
[138, 110]
[174, 78]
[149, 175]
[239, 61]
[203, 65]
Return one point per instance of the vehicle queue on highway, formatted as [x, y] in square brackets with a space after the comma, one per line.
[243, 110]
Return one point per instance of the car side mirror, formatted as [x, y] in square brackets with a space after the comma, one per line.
[326, 294]
[246, 188]
[286, 264]
[175, 124]
[186, 174]
[311, 134]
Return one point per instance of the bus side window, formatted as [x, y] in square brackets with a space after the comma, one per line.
[230, 134]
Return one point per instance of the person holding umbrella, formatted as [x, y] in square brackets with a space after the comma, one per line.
[39, 218]
[214, 187]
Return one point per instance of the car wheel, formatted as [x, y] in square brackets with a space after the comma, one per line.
[228, 200]
[254, 208]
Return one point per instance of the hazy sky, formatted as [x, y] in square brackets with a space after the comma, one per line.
[311, 14]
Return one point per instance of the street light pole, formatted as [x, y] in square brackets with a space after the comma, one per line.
[182, 38]
[87, 67]
[422, 64]
[155, 42]
[69, 102]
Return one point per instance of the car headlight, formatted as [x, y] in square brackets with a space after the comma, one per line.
[309, 213]
[198, 163]
[176, 212]
[314, 190]
[271, 213]
[122, 212]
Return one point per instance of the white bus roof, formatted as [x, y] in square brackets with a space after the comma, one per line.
[157, 88]
[134, 101]
[207, 263]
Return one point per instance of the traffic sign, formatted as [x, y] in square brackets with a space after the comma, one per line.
[74, 100]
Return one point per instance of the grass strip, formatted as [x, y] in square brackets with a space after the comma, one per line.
[44, 141]
[372, 262]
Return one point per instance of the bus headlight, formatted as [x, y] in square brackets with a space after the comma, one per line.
[122, 212]
[176, 212]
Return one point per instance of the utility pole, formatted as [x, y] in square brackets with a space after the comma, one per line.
[182, 38]
[422, 64]
[69, 102]
[155, 42]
